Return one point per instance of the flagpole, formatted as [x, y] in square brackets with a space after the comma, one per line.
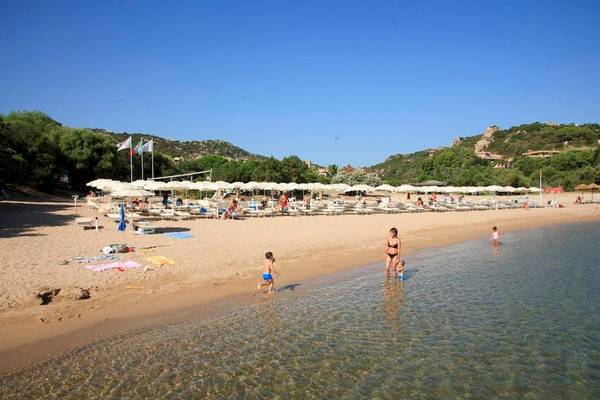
[142, 154]
[152, 154]
[541, 190]
[131, 159]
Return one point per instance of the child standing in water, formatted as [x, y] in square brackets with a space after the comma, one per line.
[267, 275]
[400, 270]
[495, 236]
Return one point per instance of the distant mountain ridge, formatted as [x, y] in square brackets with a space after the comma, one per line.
[185, 150]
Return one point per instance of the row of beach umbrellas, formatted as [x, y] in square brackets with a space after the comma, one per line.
[141, 188]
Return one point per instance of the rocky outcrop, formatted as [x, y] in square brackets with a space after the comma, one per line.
[483, 143]
[486, 138]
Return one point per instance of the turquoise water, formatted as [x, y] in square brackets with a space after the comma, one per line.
[518, 322]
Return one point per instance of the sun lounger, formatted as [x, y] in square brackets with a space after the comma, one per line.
[361, 209]
[86, 222]
[167, 215]
[183, 214]
[145, 230]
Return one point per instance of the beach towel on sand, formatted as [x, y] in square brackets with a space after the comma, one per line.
[86, 260]
[160, 260]
[179, 235]
[121, 266]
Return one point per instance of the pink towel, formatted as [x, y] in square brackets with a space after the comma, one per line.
[115, 265]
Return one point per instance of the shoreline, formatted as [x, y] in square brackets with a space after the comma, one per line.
[24, 343]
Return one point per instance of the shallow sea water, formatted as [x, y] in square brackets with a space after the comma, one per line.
[471, 322]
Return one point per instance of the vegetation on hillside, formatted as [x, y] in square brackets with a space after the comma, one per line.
[458, 165]
[515, 141]
[186, 149]
[37, 151]
[40, 152]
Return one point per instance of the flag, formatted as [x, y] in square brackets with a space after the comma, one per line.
[147, 147]
[124, 145]
[136, 149]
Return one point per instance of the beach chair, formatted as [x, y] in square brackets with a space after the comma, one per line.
[85, 222]
[384, 207]
[167, 214]
[182, 214]
[113, 216]
[334, 209]
[145, 228]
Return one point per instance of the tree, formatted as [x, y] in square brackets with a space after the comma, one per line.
[332, 170]
[86, 155]
[357, 177]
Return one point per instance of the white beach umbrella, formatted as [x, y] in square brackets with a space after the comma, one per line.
[337, 187]
[359, 188]
[406, 189]
[317, 186]
[153, 185]
[251, 185]
[108, 183]
[222, 185]
[114, 186]
[492, 188]
[199, 185]
[131, 192]
[140, 183]
[535, 190]
[173, 185]
[186, 184]
[428, 189]
[303, 186]
[96, 182]
[212, 186]
[521, 189]
[289, 186]
[263, 185]
[237, 185]
[385, 188]
[508, 189]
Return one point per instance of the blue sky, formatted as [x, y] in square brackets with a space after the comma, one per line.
[330, 81]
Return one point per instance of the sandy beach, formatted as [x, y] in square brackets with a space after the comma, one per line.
[222, 258]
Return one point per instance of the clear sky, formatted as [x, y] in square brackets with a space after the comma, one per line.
[330, 81]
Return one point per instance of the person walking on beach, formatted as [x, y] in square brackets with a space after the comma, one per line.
[392, 252]
[495, 236]
[267, 275]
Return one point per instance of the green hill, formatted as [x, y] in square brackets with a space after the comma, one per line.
[186, 149]
[40, 152]
[515, 141]
[500, 158]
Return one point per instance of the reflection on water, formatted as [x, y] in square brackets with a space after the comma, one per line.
[518, 321]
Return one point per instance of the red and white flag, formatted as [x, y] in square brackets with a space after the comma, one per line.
[124, 145]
